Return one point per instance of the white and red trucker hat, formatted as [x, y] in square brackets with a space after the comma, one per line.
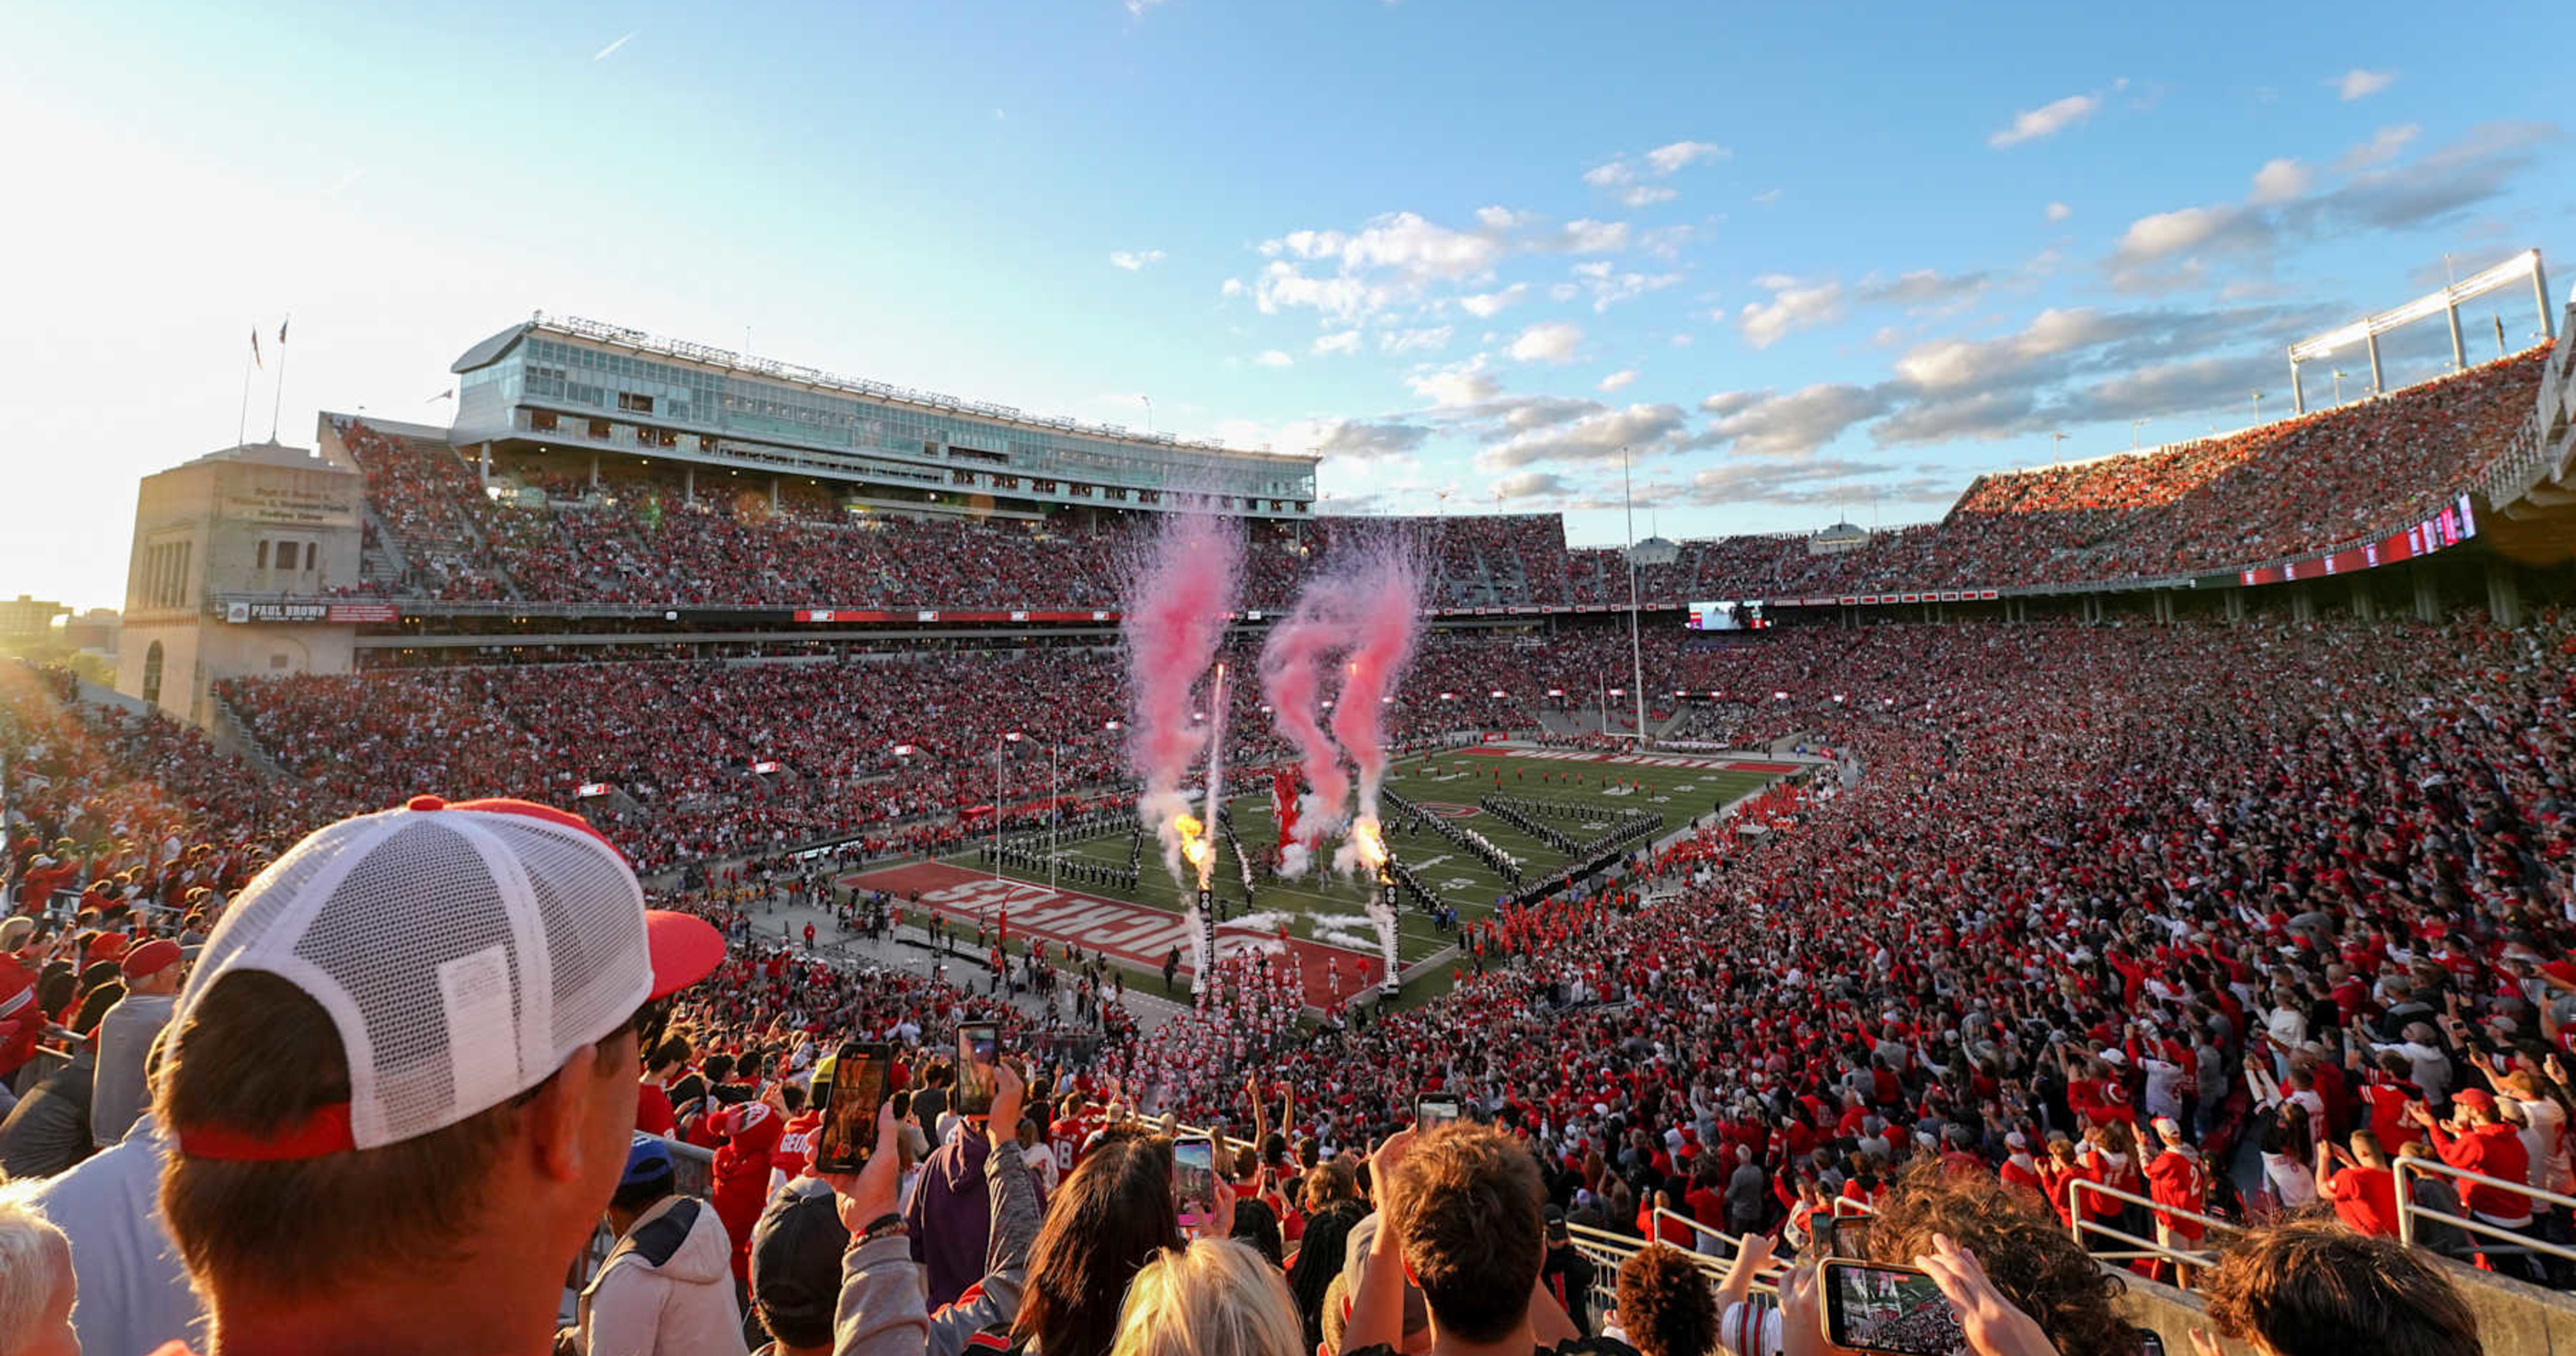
[463, 951]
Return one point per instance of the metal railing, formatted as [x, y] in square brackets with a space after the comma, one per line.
[2139, 1248]
[2513, 1242]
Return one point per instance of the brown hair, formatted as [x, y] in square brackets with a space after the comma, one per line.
[2312, 1287]
[2024, 1250]
[1467, 1205]
[1665, 1303]
[258, 1055]
[1103, 1223]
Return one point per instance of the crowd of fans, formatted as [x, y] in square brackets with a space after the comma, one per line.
[2123, 905]
[648, 534]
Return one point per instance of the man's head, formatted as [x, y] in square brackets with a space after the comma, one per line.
[1466, 1207]
[2312, 1287]
[649, 1177]
[406, 1057]
[796, 1269]
[154, 969]
[36, 1285]
[2477, 1106]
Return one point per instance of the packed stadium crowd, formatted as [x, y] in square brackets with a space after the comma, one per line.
[648, 534]
[2292, 895]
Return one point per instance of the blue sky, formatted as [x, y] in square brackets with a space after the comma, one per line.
[1803, 260]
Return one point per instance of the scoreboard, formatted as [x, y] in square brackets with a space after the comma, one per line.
[1744, 614]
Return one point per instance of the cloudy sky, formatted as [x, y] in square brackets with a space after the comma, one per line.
[1801, 261]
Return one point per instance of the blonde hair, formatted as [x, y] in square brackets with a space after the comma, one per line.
[27, 1276]
[1218, 1298]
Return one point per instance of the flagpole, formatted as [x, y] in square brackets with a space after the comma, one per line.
[241, 426]
[279, 400]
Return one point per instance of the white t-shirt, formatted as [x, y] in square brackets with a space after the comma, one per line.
[2291, 1180]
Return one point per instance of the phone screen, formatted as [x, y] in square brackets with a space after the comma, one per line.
[849, 1130]
[1194, 1180]
[1894, 1310]
[978, 1045]
[1433, 1110]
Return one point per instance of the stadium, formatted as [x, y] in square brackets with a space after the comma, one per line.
[2126, 837]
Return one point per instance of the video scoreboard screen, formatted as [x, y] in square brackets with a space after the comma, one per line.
[1744, 614]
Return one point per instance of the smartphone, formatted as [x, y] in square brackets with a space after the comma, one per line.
[1432, 1110]
[1194, 1183]
[978, 1044]
[850, 1101]
[1893, 1311]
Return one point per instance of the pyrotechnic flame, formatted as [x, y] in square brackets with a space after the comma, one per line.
[1372, 847]
[1194, 844]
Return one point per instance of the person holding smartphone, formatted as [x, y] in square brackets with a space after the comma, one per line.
[951, 1207]
[882, 1309]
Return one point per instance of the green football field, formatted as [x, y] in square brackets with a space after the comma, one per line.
[1329, 908]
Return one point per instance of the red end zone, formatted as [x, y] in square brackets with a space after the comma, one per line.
[1133, 933]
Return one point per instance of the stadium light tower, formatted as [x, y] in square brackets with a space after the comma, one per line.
[2134, 426]
[1636, 647]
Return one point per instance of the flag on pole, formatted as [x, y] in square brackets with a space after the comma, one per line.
[254, 349]
[448, 394]
[281, 330]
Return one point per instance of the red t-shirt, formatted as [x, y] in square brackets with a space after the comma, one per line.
[2366, 1199]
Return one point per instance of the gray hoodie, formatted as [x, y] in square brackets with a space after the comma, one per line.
[884, 1309]
[666, 1288]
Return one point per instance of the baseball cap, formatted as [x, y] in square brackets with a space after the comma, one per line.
[796, 1251]
[1555, 1216]
[647, 1157]
[151, 958]
[462, 952]
[2476, 1097]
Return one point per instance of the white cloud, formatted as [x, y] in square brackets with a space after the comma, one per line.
[1456, 385]
[1609, 289]
[2164, 234]
[1617, 380]
[1661, 163]
[2047, 120]
[2058, 211]
[2281, 181]
[2384, 145]
[610, 50]
[1529, 485]
[1553, 342]
[1499, 218]
[2361, 84]
[1792, 307]
[1274, 358]
[1767, 196]
[1598, 435]
[1676, 155]
[1586, 236]
[1348, 341]
[1135, 260]
[1231, 287]
[1485, 305]
[1408, 341]
[1393, 258]
[1562, 291]
[1137, 8]
[1764, 424]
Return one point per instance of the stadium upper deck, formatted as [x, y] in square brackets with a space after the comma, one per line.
[573, 385]
[457, 517]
